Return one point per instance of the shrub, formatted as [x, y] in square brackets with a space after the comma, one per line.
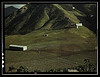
[87, 67]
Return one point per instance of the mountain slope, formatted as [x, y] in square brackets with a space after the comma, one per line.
[9, 10]
[42, 16]
[70, 45]
[90, 10]
[48, 16]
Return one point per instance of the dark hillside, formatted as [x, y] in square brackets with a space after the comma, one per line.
[91, 15]
[33, 17]
[50, 16]
[9, 10]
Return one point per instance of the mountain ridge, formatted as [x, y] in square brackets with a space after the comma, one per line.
[42, 16]
[9, 10]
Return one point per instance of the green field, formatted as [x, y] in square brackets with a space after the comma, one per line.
[45, 61]
[61, 49]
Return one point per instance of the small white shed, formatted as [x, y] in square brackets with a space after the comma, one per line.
[73, 8]
[78, 24]
[18, 47]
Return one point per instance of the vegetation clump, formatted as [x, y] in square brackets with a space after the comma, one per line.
[87, 67]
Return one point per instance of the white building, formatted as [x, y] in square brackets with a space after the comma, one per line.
[73, 8]
[79, 24]
[18, 47]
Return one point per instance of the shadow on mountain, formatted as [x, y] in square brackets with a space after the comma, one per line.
[90, 20]
[91, 24]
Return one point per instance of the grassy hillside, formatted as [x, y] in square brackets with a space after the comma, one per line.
[79, 37]
[45, 61]
[50, 16]
[61, 49]
[42, 16]
[64, 46]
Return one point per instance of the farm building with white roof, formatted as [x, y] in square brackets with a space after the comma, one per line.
[18, 47]
[78, 24]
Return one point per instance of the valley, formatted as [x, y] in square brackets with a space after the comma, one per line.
[52, 41]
